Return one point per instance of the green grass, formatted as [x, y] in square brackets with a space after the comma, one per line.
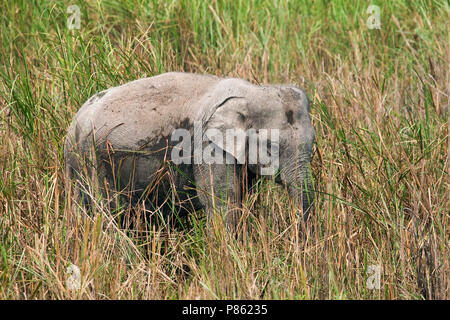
[379, 106]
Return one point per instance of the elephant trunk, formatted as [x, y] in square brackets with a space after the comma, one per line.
[300, 188]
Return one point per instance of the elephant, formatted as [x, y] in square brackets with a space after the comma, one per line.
[128, 138]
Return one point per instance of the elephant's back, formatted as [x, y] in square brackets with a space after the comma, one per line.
[142, 110]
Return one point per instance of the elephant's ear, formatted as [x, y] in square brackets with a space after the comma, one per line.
[226, 127]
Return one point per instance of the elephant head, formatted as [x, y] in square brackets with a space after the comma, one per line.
[255, 110]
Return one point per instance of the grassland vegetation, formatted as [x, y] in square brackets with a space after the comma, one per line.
[379, 103]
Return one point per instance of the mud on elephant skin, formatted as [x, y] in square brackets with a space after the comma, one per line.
[127, 137]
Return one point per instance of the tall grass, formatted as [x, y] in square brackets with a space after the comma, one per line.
[379, 106]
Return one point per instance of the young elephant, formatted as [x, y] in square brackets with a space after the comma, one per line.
[137, 140]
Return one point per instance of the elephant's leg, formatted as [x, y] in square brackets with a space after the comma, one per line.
[220, 188]
[72, 190]
[76, 179]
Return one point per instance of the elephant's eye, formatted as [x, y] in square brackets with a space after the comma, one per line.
[269, 147]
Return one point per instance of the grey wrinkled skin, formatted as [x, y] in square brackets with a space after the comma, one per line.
[121, 136]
